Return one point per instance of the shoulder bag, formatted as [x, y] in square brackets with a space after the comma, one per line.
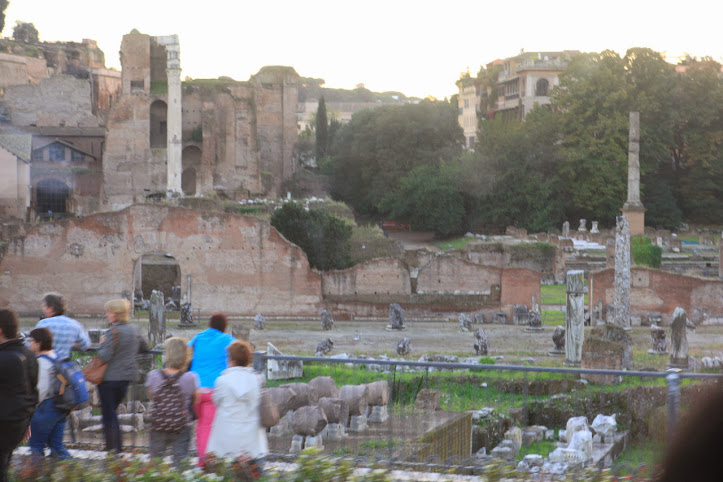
[94, 371]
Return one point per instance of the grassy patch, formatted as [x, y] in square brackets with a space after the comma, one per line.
[555, 294]
[543, 447]
[553, 317]
[457, 243]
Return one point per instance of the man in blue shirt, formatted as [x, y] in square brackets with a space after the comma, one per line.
[67, 332]
[209, 360]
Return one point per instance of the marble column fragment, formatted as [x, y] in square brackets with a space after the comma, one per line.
[679, 339]
[622, 273]
[574, 317]
[156, 319]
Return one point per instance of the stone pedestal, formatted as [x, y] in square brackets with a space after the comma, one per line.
[316, 442]
[334, 431]
[297, 444]
[358, 423]
[378, 414]
[636, 219]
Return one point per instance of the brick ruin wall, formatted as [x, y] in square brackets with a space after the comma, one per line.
[239, 265]
[19, 70]
[57, 101]
[655, 291]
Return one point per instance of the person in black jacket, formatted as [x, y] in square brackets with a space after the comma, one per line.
[18, 389]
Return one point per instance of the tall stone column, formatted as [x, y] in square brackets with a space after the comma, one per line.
[622, 273]
[574, 317]
[174, 139]
[720, 257]
[633, 209]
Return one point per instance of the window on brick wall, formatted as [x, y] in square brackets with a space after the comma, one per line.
[56, 152]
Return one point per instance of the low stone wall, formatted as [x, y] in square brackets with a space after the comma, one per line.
[655, 291]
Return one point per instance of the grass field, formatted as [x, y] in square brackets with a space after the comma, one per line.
[555, 294]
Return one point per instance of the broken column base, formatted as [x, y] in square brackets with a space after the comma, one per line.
[334, 431]
[316, 442]
[358, 423]
[297, 444]
[681, 363]
[378, 414]
[283, 428]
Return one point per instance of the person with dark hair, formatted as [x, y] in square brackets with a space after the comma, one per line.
[67, 332]
[237, 426]
[48, 424]
[18, 389]
[119, 346]
[209, 360]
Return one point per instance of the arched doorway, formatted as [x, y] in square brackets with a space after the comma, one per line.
[158, 271]
[159, 124]
[191, 159]
[51, 197]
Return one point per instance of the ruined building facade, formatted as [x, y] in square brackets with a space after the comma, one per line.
[103, 140]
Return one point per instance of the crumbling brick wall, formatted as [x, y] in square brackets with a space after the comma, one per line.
[239, 265]
[655, 291]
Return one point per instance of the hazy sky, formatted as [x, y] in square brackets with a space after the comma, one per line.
[415, 47]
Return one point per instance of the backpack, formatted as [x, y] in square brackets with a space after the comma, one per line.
[68, 389]
[169, 412]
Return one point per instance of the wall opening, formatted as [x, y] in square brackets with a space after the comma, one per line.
[159, 112]
[158, 271]
[191, 161]
[51, 197]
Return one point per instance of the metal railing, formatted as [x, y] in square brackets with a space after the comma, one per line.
[439, 413]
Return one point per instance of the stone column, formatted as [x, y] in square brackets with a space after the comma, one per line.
[679, 339]
[720, 257]
[566, 229]
[633, 209]
[156, 319]
[174, 143]
[574, 317]
[622, 273]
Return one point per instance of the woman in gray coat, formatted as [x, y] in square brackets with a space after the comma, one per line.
[118, 347]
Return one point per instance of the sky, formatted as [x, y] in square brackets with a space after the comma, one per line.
[415, 47]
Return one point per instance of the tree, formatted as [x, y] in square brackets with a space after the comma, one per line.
[520, 159]
[428, 201]
[378, 147]
[322, 126]
[593, 105]
[25, 32]
[323, 237]
[3, 6]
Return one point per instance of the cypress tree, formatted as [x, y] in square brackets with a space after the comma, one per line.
[322, 127]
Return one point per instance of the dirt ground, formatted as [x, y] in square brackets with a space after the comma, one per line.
[433, 337]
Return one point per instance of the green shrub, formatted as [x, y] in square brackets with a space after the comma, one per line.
[645, 253]
[486, 360]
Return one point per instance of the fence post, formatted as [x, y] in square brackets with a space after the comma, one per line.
[259, 362]
[673, 401]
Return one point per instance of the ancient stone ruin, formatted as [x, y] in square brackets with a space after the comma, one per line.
[327, 322]
[558, 338]
[156, 319]
[660, 344]
[481, 342]
[324, 347]
[679, 339]
[621, 316]
[465, 323]
[404, 347]
[259, 322]
[396, 318]
[574, 318]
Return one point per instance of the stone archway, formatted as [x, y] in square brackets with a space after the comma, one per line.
[160, 271]
[51, 197]
[159, 125]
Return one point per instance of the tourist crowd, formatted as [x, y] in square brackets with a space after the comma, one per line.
[207, 381]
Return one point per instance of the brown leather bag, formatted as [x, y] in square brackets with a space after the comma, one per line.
[94, 371]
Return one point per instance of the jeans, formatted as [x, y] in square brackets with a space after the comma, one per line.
[111, 394]
[177, 442]
[46, 429]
